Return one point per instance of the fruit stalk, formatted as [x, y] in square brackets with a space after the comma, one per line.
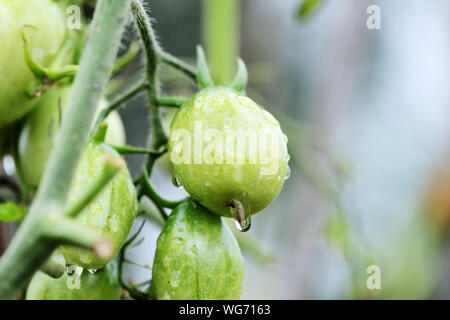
[29, 250]
[221, 20]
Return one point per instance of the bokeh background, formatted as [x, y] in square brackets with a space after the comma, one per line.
[367, 114]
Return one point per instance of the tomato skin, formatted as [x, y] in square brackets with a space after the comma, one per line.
[111, 213]
[101, 286]
[214, 185]
[48, 18]
[40, 128]
[197, 257]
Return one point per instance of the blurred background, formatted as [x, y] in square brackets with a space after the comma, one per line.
[367, 114]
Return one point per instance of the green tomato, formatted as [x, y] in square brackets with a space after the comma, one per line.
[40, 128]
[225, 148]
[197, 257]
[103, 285]
[45, 40]
[111, 213]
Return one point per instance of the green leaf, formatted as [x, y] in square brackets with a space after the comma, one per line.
[308, 8]
[11, 211]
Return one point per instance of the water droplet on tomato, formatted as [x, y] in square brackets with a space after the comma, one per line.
[288, 173]
[94, 271]
[194, 249]
[245, 225]
[176, 181]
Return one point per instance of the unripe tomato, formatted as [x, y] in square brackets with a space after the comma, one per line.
[40, 128]
[44, 40]
[103, 285]
[111, 213]
[225, 147]
[197, 257]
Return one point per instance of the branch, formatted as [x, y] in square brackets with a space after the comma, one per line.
[53, 267]
[174, 102]
[124, 60]
[151, 49]
[27, 252]
[154, 196]
[123, 150]
[132, 290]
[178, 64]
[63, 230]
[127, 95]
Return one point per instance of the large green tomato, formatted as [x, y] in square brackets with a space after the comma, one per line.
[197, 257]
[40, 128]
[111, 213]
[45, 39]
[103, 285]
[225, 148]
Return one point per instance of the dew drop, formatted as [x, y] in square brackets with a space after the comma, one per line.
[176, 182]
[94, 271]
[288, 173]
[245, 225]
[194, 249]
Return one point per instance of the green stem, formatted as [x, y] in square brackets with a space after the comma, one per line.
[29, 250]
[156, 198]
[151, 49]
[53, 267]
[221, 37]
[124, 60]
[118, 101]
[63, 230]
[123, 150]
[174, 102]
[178, 64]
[135, 293]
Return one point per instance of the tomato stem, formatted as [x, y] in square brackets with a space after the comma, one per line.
[129, 56]
[27, 251]
[173, 102]
[155, 197]
[178, 64]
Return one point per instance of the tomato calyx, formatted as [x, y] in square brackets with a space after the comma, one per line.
[204, 76]
[45, 77]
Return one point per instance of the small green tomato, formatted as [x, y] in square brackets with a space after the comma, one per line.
[197, 257]
[40, 128]
[102, 285]
[45, 39]
[228, 152]
[111, 213]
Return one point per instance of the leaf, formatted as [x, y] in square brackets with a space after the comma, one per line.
[11, 211]
[308, 8]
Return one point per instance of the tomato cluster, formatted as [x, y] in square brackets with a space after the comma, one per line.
[228, 153]
[45, 39]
